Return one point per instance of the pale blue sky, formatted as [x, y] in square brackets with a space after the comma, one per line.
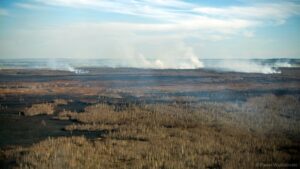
[161, 30]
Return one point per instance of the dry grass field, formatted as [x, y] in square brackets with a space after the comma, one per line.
[262, 131]
[144, 119]
[36, 109]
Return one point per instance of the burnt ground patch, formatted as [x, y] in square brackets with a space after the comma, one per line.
[24, 131]
[134, 86]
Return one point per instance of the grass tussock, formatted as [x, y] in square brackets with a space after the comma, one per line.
[205, 135]
[171, 152]
[61, 102]
[37, 109]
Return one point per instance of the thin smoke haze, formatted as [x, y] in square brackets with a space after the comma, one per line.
[264, 66]
[179, 84]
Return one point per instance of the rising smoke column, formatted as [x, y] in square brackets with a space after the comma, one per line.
[63, 65]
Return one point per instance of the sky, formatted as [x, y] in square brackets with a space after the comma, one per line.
[150, 31]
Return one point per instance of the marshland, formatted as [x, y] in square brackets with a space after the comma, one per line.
[149, 118]
[149, 84]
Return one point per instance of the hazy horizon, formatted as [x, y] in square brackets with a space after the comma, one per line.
[79, 66]
[147, 33]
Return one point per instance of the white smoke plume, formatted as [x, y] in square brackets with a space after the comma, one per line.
[187, 60]
[282, 64]
[247, 66]
[55, 65]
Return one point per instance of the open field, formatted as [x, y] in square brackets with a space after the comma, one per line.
[143, 118]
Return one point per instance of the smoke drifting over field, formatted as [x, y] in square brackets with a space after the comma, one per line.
[55, 65]
[190, 61]
[250, 66]
[245, 66]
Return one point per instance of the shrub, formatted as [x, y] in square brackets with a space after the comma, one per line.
[36, 109]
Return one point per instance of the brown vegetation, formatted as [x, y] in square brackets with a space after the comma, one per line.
[36, 109]
[206, 135]
[44, 108]
[61, 102]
